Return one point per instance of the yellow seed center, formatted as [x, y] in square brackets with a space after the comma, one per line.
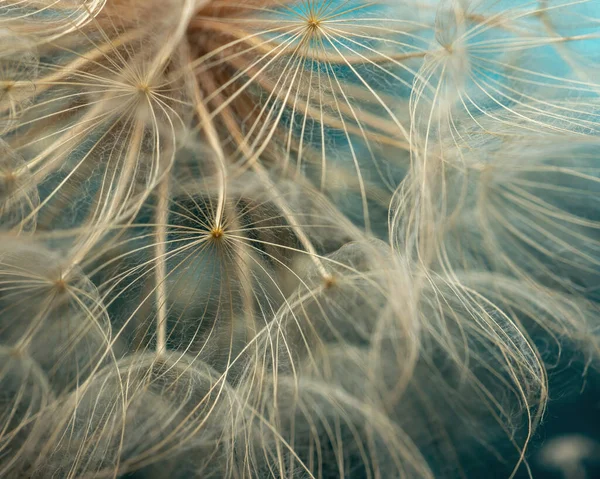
[217, 233]
[329, 282]
[313, 23]
[61, 285]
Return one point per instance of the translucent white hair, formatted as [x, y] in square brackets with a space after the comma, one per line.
[292, 238]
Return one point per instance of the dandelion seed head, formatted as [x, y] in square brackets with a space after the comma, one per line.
[254, 238]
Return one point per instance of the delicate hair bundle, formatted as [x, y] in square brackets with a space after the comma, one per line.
[292, 238]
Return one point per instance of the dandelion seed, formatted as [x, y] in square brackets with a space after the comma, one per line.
[62, 323]
[106, 116]
[47, 20]
[110, 426]
[321, 74]
[197, 278]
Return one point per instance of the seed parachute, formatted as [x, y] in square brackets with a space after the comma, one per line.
[293, 238]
